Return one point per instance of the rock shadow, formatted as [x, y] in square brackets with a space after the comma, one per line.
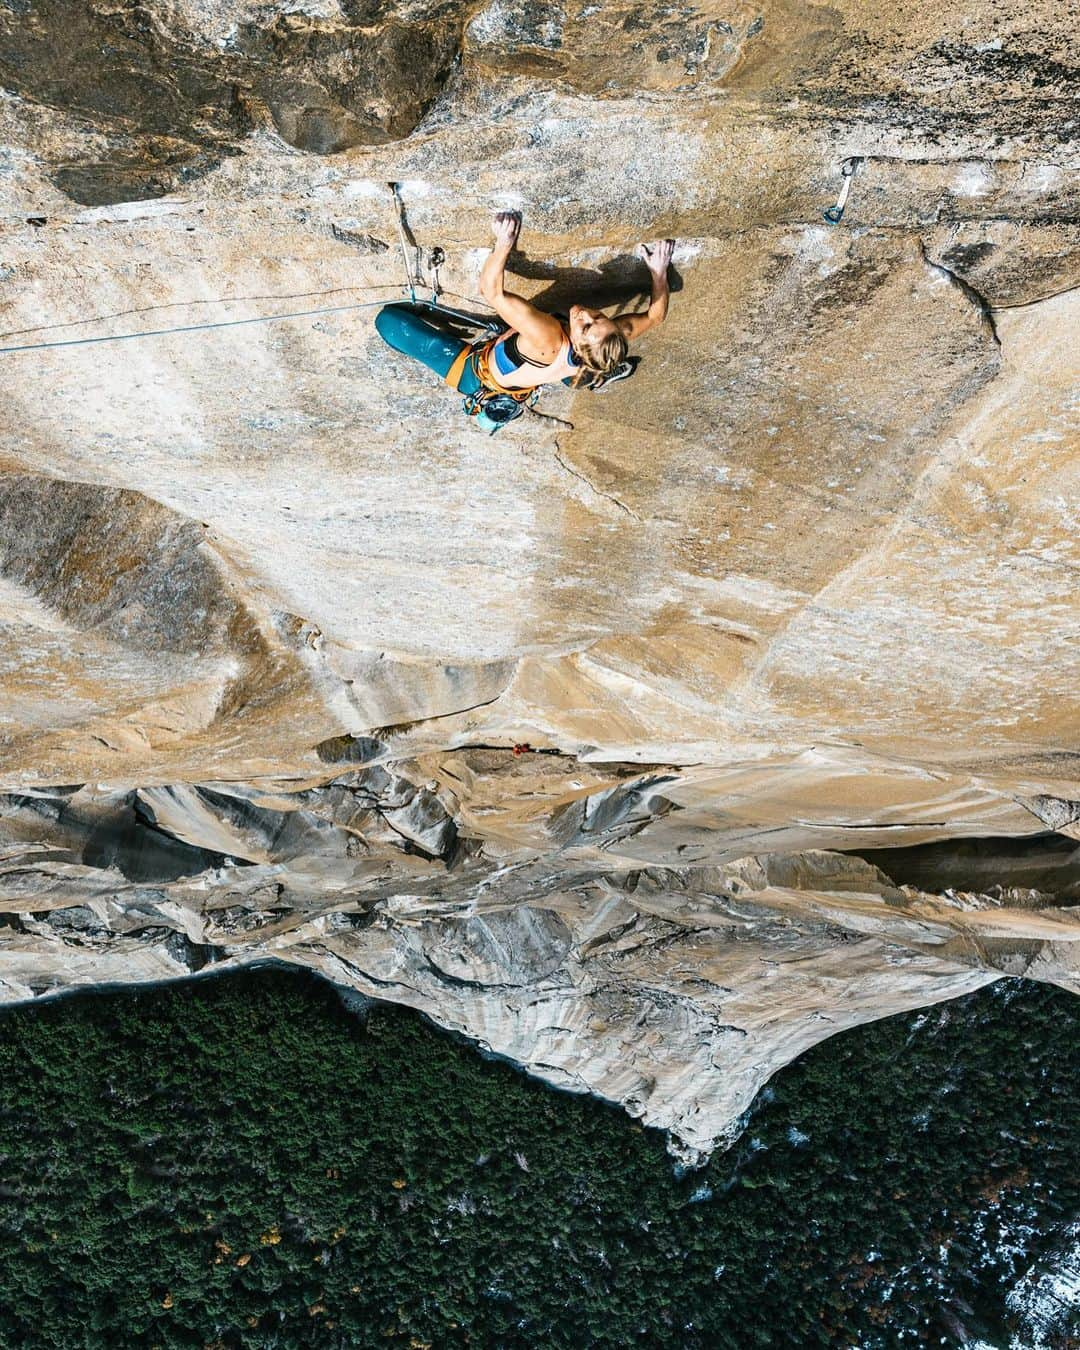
[619, 282]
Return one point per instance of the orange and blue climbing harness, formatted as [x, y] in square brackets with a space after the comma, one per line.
[491, 403]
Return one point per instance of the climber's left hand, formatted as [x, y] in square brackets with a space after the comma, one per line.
[507, 227]
[657, 257]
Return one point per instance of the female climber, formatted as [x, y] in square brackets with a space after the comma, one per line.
[498, 377]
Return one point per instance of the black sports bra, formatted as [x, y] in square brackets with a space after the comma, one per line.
[510, 347]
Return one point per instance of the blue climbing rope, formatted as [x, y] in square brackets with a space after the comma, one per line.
[189, 328]
[236, 323]
[412, 280]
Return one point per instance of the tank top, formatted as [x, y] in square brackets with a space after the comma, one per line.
[515, 370]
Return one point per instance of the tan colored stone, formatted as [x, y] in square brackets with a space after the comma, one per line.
[804, 585]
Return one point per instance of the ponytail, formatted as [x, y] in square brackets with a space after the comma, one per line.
[600, 360]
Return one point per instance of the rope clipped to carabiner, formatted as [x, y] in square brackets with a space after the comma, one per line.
[435, 259]
[412, 274]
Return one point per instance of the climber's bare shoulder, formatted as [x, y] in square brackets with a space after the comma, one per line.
[541, 334]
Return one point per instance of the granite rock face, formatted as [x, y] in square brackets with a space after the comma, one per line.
[788, 622]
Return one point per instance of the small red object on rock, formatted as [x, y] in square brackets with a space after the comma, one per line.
[523, 749]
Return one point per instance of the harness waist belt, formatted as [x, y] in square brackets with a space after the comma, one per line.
[481, 364]
[457, 368]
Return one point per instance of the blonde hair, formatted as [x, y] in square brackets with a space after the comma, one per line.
[601, 358]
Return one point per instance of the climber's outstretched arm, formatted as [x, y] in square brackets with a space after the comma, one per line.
[657, 258]
[541, 331]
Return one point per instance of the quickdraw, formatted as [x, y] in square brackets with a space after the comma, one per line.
[833, 213]
[434, 261]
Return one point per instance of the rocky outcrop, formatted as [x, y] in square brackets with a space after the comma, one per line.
[787, 621]
[557, 930]
[162, 93]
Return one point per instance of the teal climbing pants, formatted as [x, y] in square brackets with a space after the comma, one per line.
[407, 330]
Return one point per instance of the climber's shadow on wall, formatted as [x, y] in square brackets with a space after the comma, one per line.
[621, 283]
